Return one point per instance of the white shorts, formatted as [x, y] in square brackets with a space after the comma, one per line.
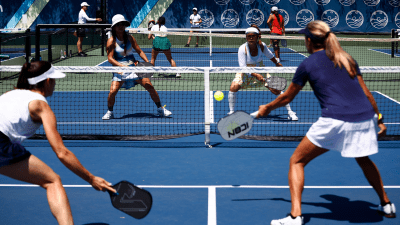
[351, 139]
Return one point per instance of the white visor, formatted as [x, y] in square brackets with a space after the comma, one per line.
[252, 30]
[51, 73]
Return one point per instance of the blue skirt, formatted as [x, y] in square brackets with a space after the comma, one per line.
[11, 153]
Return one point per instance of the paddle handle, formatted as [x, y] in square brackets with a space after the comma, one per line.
[254, 114]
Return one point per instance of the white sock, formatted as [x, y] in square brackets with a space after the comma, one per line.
[287, 106]
[232, 100]
[278, 60]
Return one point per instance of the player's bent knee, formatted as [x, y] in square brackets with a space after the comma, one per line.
[51, 179]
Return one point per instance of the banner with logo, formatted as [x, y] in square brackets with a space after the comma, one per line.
[341, 15]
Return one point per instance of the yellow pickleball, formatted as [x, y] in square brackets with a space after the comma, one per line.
[218, 95]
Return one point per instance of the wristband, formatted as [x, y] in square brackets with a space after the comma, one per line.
[380, 118]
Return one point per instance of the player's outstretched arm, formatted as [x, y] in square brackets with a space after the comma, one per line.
[137, 48]
[41, 111]
[280, 101]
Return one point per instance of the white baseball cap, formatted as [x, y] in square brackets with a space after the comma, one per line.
[194, 9]
[51, 73]
[274, 9]
[119, 18]
[84, 4]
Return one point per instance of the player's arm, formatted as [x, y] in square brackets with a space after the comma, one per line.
[371, 99]
[283, 26]
[200, 21]
[135, 46]
[110, 53]
[269, 21]
[281, 100]
[270, 56]
[91, 19]
[40, 111]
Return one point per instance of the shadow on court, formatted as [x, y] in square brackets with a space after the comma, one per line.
[341, 209]
[139, 115]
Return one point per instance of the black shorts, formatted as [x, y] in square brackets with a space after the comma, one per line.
[11, 153]
[80, 32]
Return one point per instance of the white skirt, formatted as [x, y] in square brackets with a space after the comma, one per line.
[351, 139]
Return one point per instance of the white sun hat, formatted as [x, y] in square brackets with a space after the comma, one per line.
[119, 18]
[273, 9]
[84, 4]
[51, 73]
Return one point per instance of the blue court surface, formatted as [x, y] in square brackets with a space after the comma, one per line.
[198, 185]
[387, 52]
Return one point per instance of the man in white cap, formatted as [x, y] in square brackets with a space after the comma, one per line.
[195, 20]
[80, 32]
[276, 24]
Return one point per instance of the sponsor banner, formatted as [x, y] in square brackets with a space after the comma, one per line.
[341, 15]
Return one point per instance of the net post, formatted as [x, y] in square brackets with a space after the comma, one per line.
[393, 43]
[27, 45]
[210, 43]
[103, 40]
[207, 122]
[49, 46]
[37, 43]
[0, 51]
[67, 42]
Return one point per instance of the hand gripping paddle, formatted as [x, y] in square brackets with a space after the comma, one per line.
[131, 200]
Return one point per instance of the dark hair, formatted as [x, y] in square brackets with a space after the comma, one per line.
[30, 70]
[160, 21]
[114, 34]
[277, 15]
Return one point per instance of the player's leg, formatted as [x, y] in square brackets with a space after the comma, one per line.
[146, 83]
[235, 87]
[276, 49]
[34, 171]
[304, 153]
[114, 88]
[79, 44]
[189, 39]
[154, 54]
[167, 54]
[373, 176]
[197, 41]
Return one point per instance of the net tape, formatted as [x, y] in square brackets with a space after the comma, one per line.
[106, 69]
[263, 36]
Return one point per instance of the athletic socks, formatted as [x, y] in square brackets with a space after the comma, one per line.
[232, 101]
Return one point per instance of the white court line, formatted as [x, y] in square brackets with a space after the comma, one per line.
[395, 55]
[214, 186]
[388, 97]
[212, 206]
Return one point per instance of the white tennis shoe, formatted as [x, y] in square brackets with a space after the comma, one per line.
[162, 111]
[178, 75]
[288, 221]
[108, 115]
[292, 116]
[388, 210]
[230, 112]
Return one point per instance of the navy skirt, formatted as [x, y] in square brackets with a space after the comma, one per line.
[11, 153]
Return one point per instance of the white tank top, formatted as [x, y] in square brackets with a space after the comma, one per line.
[15, 120]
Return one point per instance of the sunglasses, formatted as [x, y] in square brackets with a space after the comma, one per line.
[251, 36]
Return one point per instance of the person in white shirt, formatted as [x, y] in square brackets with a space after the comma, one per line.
[250, 55]
[161, 43]
[24, 110]
[80, 32]
[195, 20]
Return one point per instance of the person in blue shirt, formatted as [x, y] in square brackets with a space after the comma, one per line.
[346, 105]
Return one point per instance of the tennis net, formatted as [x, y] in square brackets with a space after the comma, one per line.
[218, 48]
[80, 101]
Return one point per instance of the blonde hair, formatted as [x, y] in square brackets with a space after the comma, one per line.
[332, 46]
